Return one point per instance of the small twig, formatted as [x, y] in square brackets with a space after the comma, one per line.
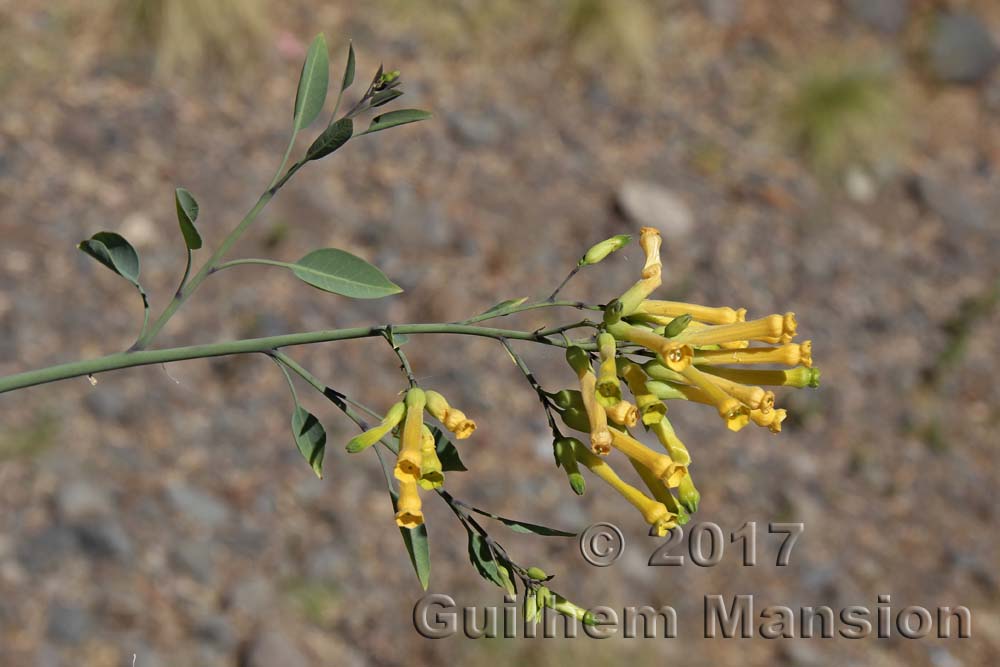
[576, 269]
[543, 396]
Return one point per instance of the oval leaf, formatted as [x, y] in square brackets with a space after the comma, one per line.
[310, 437]
[394, 118]
[349, 69]
[333, 137]
[187, 214]
[524, 526]
[114, 252]
[384, 97]
[447, 452]
[340, 272]
[313, 82]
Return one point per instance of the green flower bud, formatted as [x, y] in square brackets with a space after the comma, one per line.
[567, 608]
[688, 495]
[537, 573]
[565, 457]
[578, 359]
[544, 597]
[373, 435]
[613, 312]
[601, 250]
[530, 607]
[507, 583]
[677, 325]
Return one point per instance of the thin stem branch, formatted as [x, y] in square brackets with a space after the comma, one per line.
[404, 363]
[576, 269]
[269, 343]
[543, 396]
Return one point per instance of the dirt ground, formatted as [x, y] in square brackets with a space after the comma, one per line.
[165, 512]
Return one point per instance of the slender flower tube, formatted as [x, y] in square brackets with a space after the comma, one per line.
[436, 405]
[800, 376]
[600, 436]
[567, 608]
[664, 431]
[371, 436]
[660, 465]
[675, 355]
[661, 493]
[667, 391]
[655, 513]
[431, 476]
[411, 442]
[765, 327]
[753, 397]
[408, 509]
[609, 390]
[564, 449]
[771, 420]
[790, 354]
[649, 239]
[650, 406]
[706, 314]
[623, 413]
[730, 409]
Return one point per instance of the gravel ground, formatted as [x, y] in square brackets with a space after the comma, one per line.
[165, 512]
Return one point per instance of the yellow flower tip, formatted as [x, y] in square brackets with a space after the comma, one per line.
[650, 240]
[789, 327]
[409, 519]
[677, 357]
[665, 525]
[779, 416]
[767, 403]
[624, 413]
[734, 413]
[600, 442]
[459, 424]
[741, 314]
[805, 355]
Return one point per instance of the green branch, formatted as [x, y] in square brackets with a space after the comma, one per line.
[267, 345]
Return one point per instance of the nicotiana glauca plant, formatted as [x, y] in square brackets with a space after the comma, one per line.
[648, 353]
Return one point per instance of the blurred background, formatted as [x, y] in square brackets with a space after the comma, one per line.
[835, 158]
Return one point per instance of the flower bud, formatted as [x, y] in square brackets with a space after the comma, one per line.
[566, 458]
[601, 250]
[537, 573]
[688, 495]
[373, 435]
[677, 325]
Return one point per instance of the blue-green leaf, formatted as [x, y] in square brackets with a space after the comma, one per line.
[114, 252]
[524, 526]
[447, 452]
[313, 82]
[334, 136]
[394, 118]
[310, 437]
[187, 214]
[340, 272]
[483, 560]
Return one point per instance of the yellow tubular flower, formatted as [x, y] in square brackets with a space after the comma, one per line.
[655, 513]
[600, 436]
[408, 512]
[659, 492]
[649, 239]
[675, 355]
[754, 397]
[730, 409]
[623, 413]
[791, 354]
[706, 314]
[800, 376]
[373, 435]
[771, 419]
[688, 494]
[660, 465]
[431, 476]
[459, 424]
[411, 442]
[664, 431]
[609, 390]
[650, 406]
[772, 325]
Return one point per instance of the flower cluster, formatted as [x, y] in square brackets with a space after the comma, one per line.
[663, 351]
[417, 462]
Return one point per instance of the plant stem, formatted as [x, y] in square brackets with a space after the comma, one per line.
[268, 345]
